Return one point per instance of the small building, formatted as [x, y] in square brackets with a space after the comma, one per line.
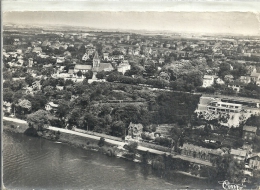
[208, 80]
[51, 106]
[106, 56]
[229, 78]
[238, 154]
[7, 107]
[254, 162]
[37, 50]
[85, 57]
[249, 132]
[255, 77]
[236, 86]
[123, 67]
[245, 79]
[219, 81]
[60, 60]
[161, 60]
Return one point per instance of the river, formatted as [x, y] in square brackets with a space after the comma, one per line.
[36, 163]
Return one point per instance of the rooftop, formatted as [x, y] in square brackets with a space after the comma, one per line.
[238, 152]
[250, 128]
[83, 67]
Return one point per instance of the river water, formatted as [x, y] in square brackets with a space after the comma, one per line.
[36, 163]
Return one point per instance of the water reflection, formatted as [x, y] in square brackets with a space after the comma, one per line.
[31, 162]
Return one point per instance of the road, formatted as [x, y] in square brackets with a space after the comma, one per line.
[117, 143]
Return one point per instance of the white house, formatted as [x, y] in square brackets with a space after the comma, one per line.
[208, 80]
[51, 106]
[220, 81]
[123, 67]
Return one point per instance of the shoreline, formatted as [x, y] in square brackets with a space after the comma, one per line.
[111, 148]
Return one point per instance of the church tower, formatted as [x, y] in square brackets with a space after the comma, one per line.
[96, 60]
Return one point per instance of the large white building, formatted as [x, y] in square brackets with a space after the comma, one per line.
[224, 107]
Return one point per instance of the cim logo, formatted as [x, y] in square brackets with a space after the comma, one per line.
[231, 186]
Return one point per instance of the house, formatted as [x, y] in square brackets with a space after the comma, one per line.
[255, 77]
[208, 80]
[7, 107]
[106, 56]
[19, 51]
[245, 79]
[219, 81]
[85, 57]
[161, 60]
[36, 85]
[229, 78]
[254, 162]
[236, 86]
[238, 154]
[82, 68]
[51, 106]
[30, 62]
[201, 153]
[123, 67]
[249, 132]
[60, 60]
[59, 87]
[135, 130]
[37, 50]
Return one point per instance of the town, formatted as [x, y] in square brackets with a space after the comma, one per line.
[195, 98]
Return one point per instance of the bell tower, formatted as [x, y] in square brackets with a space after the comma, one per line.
[96, 60]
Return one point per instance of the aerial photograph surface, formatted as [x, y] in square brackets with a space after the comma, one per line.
[132, 99]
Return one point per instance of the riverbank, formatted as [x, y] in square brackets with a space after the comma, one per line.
[90, 142]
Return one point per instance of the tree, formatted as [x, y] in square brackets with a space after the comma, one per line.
[38, 119]
[7, 96]
[101, 75]
[132, 147]
[101, 142]
[224, 69]
[63, 109]
[227, 168]
[89, 75]
[29, 79]
[79, 73]
[26, 105]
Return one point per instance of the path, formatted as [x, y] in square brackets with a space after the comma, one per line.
[118, 143]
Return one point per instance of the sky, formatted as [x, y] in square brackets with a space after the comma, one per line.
[189, 17]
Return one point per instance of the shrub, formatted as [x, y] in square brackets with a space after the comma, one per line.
[101, 142]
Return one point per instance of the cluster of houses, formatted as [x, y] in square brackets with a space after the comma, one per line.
[202, 155]
[236, 85]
